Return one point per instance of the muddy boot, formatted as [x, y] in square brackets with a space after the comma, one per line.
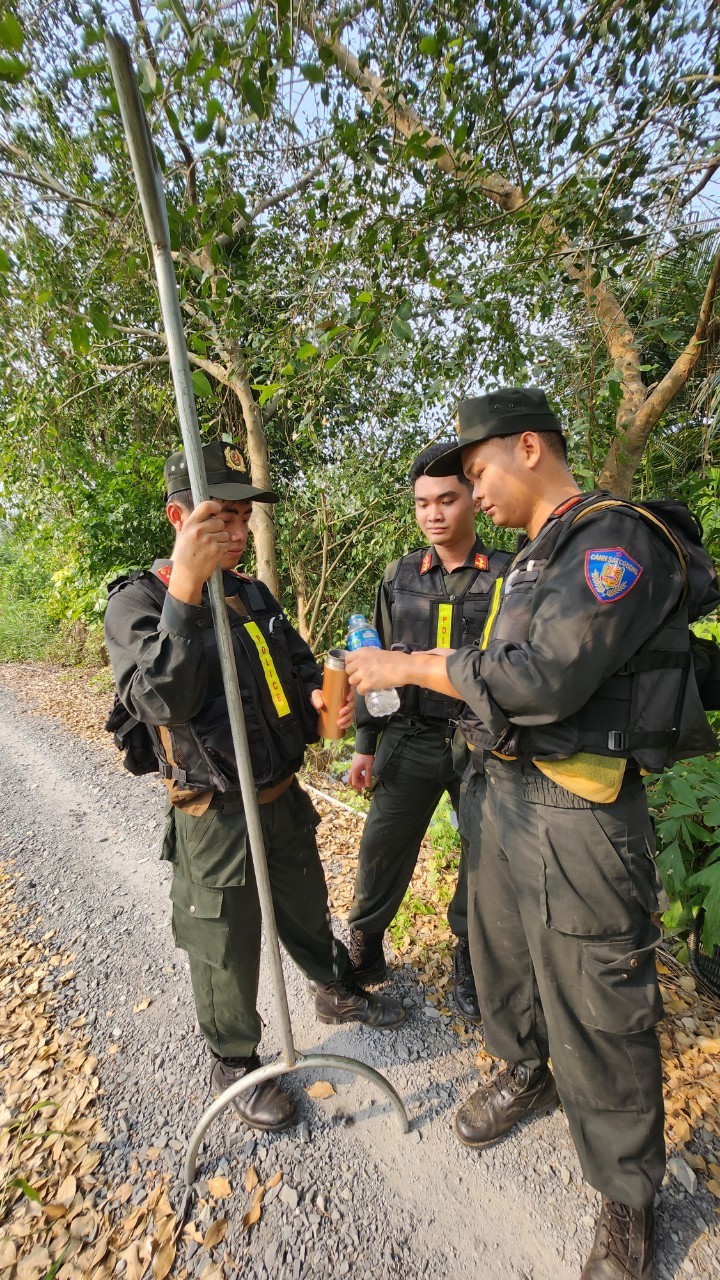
[496, 1107]
[346, 1001]
[266, 1106]
[624, 1243]
[466, 999]
[367, 956]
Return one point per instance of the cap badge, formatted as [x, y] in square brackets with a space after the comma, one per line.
[234, 459]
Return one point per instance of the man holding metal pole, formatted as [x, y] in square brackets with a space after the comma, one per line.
[164, 655]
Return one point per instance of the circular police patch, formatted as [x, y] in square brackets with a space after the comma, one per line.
[610, 573]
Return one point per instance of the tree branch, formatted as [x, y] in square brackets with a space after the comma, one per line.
[602, 304]
[268, 202]
[626, 449]
[40, 177]
[700, 186]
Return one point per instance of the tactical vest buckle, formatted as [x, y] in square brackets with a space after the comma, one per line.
[617, 741]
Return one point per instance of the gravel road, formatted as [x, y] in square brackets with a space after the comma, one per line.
[356, 1198]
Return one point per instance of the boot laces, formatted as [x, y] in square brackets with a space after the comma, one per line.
[618, 1221]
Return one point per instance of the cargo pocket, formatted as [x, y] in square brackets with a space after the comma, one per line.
[620, 992]
[305, 815]
[598, 877]
[199, 926]
[389, 757]
[168, 853]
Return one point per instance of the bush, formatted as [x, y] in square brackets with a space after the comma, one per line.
[26, 629]
[685, 803]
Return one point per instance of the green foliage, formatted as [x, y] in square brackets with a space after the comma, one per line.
[404, 922]
[685, 802]
[445, 839]
[26, 630]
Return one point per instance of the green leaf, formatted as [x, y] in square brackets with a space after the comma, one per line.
[307, 350]
[201, 383]
[312, 73]
[402, 329]
[711, 814]
[253, 96]
[671, 866]
[23, 1185]
[429, 45]
[333, 361]
[202, 130]
[13, 70]
[5, 264]
[80, 337]
[11, 33]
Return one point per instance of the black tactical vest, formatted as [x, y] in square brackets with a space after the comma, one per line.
[650, 710]
[424, 616]
[278, 718]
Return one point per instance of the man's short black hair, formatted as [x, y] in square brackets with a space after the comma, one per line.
[184, 499]
[423, 460]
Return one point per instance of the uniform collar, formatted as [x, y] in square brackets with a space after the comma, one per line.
[477, 558]
[231, 577]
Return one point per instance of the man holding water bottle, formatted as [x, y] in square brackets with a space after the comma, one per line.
[433, 598]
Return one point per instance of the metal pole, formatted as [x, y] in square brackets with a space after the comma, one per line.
[149, 183]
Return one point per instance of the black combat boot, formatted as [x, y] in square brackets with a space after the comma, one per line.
[367, 956]
[346, 1001]
[495, 1107]
[466, 999]
[265, 1106]
[624, 1243]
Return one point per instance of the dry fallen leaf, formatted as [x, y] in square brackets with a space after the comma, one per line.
[66, 1191]
[215, 1233]
[272, 1182]
[8, 1254]
[144, 1004]
[251, 1178]
[321, 1089]
[163, 1261]
[219, 1188]
[254, 1213]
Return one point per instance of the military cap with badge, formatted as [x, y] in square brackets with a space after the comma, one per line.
[227, 474]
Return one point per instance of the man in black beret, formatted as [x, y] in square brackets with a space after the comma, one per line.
[164, 655]
[582, 681]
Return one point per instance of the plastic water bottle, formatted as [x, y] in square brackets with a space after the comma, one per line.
[379, 702]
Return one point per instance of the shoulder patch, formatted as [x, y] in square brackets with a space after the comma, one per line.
[163, 573]
[481, 561]
[426, 562]
[611, 573]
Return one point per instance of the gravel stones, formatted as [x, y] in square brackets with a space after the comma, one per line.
[354, 1198]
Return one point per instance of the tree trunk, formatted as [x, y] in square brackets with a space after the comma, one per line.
[262, 523]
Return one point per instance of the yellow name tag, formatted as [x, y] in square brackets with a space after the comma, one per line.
[277, 693]
[444, 627]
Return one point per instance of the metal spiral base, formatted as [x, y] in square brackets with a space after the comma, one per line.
[274, 1069]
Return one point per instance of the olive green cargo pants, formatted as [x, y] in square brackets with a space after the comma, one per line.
[563, 951]
[216, 912]
[412, 770]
